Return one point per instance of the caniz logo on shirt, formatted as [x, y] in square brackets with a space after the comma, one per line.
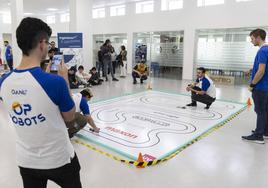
[24, 110]
[18, 92]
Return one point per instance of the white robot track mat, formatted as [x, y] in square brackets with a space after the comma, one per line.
[153, 123]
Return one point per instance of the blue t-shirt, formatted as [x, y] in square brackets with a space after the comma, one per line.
[54, 86]
[261, 58]
[8, 54]
[84, 106]
[205, 83]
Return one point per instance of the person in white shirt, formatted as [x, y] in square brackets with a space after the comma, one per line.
[39, 105]
[82, 76]
[81, 102]
[203, 90]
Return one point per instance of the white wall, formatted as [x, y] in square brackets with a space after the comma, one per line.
[190, 18]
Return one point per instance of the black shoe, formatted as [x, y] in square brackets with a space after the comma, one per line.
[141, 81]
[115, 79]
[192, 104]
[135, 82]
[106, 79]
[207, 107]
[265, 136]
[254, 138]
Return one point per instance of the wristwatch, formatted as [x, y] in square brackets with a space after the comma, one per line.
[252, 85]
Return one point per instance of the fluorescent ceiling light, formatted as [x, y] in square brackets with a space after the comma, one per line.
[28, 13]
[52, 9]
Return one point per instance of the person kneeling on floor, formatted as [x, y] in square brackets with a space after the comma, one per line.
[140, 71]
[95, 79]
[203, 90]
[81, 103]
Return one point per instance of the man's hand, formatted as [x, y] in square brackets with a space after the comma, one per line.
[62, 70]
[188, 89]
[96, 129]
[251, 87]
[49, 66]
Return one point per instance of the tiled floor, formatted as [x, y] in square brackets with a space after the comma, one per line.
[220, 160]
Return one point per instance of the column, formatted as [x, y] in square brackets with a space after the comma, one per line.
[129, 52]
[16, 8]
[81, 21]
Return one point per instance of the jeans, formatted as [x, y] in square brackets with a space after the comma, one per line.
[260, 99]
[10, 64]
[107, 63]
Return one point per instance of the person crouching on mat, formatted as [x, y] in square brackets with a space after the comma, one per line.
[81, 103]
[203, 90]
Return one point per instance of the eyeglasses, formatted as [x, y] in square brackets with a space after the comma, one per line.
[46, 41]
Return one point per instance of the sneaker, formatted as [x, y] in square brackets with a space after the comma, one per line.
[265, 136]
[254, 138]
[115, 79]
[192, 104]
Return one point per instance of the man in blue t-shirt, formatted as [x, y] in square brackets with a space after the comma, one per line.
[9, 55]
[259, 87]
[82, 108]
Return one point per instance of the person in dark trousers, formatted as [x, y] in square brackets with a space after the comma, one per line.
[82, 107]
[140, 71]
[100, 64]
[95, 79]
[259, 87]
[73, 82]
[106, 51]
[203, 89]
[43, 148]
[9, 55]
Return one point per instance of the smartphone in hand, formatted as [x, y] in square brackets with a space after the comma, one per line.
[56, 60]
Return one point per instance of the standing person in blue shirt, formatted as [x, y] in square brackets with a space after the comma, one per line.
[259, 87]
[39, 105]
[9, 55]
[203, 90]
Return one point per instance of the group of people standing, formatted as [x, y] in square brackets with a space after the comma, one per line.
[107, 61]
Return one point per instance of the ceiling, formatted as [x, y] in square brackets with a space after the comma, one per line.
[39, 7]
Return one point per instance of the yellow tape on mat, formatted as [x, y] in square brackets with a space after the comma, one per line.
[154, 162]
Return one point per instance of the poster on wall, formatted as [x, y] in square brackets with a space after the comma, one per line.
[71, 45]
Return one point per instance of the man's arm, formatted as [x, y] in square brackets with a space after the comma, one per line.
[197, 92]
[258, 76]
[92, 124]
[68, 116]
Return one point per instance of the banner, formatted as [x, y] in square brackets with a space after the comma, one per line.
[71, 45]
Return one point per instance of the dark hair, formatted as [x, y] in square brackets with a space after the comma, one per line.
[81, 67]
[86, 93]
[202, 69]
[123, 47]
[258, 33]
[93, 69]
[106, 42]
[30, 32]
[6, 41]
